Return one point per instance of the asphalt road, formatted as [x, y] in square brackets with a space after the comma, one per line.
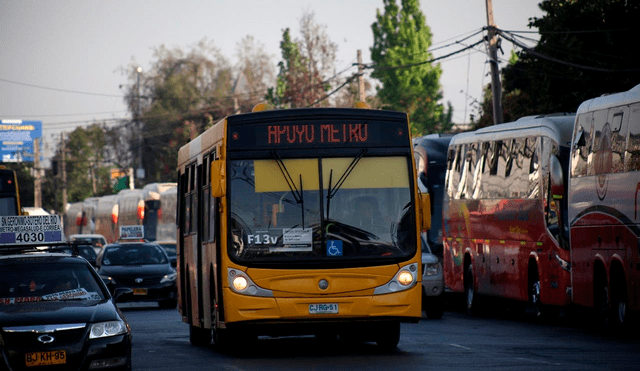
[456, 342]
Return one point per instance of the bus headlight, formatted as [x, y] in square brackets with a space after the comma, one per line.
[239, 283]
[405, 279]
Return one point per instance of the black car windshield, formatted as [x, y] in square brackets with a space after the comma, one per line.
[27, 282]
[134, 254]
[321, 209]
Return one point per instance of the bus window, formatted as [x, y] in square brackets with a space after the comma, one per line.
[632, 154]
[276, 208]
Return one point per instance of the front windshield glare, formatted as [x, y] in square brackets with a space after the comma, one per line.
[312, 210]
[28, 283]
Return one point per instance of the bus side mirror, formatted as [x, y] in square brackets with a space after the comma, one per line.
[218, 185]
[555, 176]
[425, 211]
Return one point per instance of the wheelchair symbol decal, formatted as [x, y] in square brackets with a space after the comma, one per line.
[334, 248]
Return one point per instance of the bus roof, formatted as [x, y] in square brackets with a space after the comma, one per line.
[558, 126]
[611, 100]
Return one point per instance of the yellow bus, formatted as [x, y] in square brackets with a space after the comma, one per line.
[9, 192]
[300, 222]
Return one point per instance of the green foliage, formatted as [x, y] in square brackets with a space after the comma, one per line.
[596, 34]
[303, 68]
[402, 38]
[86, 175]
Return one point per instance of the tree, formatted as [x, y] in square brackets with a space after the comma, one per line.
[256, 73]
[305, 67]
[181, 96]
[584, 51]
[400, 53]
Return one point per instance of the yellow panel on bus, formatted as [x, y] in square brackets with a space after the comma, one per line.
[370, 172]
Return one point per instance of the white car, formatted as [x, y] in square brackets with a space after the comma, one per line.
[432, 283]
[96, 240]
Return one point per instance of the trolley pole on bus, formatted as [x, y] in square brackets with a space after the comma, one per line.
[496, 86]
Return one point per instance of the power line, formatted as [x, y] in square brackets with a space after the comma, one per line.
[423, 62]
[552, 59]
[60, 90]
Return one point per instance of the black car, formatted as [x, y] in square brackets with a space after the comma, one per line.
[84, 250]
[143, 267]
[56, 312]
[170, 248]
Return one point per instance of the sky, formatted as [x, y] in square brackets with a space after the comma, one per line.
[63, 62]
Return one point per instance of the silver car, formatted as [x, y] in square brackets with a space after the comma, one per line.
[432, 283]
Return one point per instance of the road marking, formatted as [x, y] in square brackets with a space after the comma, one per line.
[460, 346]
[539, 361]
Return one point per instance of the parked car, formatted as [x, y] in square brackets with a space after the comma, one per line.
[432, 282]
[57, 313]
[170, 248]
[96, 240]
[144, 267]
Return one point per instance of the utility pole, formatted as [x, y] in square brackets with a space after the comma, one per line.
[64, 173]
[37, 181]
[140, 173]
[496, 86]
[361, 95]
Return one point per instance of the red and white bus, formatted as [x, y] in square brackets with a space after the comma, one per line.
[504, 233]
[603, 212]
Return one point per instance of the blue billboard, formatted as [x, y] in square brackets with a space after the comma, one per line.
[17, 139]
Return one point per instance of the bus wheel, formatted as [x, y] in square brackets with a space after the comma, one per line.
[434, 307]
[168, 303]
[470, 292]
[388, 336]
[600, 301]
[618, 300]
[534, 296]
[199, 336]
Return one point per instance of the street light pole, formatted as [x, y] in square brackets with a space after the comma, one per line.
[140, 172]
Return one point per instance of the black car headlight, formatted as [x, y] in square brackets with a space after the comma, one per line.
[171, 277]
[106, 329]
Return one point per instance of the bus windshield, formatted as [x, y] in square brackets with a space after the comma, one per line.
[317, 210]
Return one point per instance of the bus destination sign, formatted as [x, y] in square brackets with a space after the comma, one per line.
[344, 133]
[23, 230]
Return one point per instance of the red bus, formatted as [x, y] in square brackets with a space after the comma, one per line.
[503, 231]
[603, 198]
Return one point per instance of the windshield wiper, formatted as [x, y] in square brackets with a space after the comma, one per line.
[298, 195]
[331, 192]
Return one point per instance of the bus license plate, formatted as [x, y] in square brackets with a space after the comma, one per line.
[55, 357]
[139, 291]
[323, 308]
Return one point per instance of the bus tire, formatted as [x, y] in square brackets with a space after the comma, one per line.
[434, 307]
[168, 304]
[388, 336]
[533, 291]
[199, 336]
[618, 313]
[471, 299]
[600, 299]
